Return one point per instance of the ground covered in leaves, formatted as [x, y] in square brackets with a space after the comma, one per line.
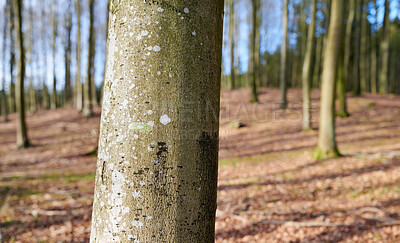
[270, 187]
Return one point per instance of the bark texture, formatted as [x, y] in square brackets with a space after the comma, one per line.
[326, 140]
[156, 178]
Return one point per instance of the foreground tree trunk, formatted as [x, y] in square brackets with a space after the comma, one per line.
[384, 53]
[253, 50]
[326, 142]
[78, 84]
[22, 136]
[283, 85]
[307, 70]
[156, 177]
[87, 96]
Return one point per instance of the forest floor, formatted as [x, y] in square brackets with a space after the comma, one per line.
[270, 188]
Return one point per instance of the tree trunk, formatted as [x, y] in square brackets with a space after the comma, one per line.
[53, 101]
[13, 106]
[341, 86]
[357, 50]
[78, 84]
[87, 97]
[22, 136]
[384, 53]
[67, 56]
[232, 42]
[253, 55]
[3, 90]
[32, 94]
[364, 60]
[326, 141]
[283, 85]
[156, 177]
[307, 70]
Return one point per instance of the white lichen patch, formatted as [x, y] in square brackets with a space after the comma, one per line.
[164, 119]
[136, 194]
[160, 9]
[144, 33]
[137, 224]
[141, 126]
[156, 48]
[194, 33]
[186, 10]
[142, 183]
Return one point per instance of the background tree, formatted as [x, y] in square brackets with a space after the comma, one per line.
[87, 97]
[22, 136]
[78, 84]
[53, 104]
[67, 54]
[384, 52]
[232, 41]
[166, 188]
[326, 140]
[4, 107]
[283, 85]
[307, 69]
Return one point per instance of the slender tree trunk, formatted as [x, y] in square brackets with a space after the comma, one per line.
[78, 84]
[53, 104]
[22, 136]
[341, 86]
[67, 56]
[317, 64]
[307, 69]
[13, 106]
[3, 90]
[253, 56]
[357, 50]
[326, 142]
[374, 57]
[93, 89]
[32, 94]
[88, 107]
[283, 84]
[364, 60]
[156, 177]
[232, 41]
[384, 53]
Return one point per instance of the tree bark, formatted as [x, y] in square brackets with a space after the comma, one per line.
[22, 136]
[326, 141]
[156, 177]
[283, 84]
[253, 50]
[307, 69]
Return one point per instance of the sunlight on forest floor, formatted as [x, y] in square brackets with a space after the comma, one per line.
[270, 187]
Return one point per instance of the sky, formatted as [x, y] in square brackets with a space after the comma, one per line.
[271, 35]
